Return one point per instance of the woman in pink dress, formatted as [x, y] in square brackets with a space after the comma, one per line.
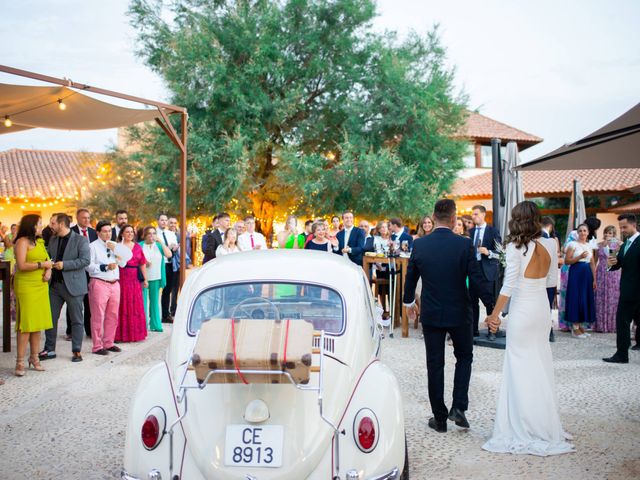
[608, 291]
[132, 323]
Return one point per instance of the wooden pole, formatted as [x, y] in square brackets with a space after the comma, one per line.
[183, 198]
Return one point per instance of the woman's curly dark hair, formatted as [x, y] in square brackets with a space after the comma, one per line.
[525, 225]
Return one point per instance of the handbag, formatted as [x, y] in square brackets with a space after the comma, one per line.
[140, 275]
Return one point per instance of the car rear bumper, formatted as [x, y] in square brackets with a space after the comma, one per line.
[152, 475]
[390, 475]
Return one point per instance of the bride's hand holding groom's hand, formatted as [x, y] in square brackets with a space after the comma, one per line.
[492, 322]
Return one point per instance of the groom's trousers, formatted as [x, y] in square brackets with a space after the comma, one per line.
[434, 340]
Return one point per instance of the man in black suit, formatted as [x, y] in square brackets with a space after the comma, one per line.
[350, 239]
[83, 228]
[484, 238]
[628, 260]
[122, 218]
[398, 233]
[444, 260]
[368, 238]
[215, 238]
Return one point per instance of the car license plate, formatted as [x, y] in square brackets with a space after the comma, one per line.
[253, 446]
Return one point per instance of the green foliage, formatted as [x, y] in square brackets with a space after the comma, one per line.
[297, 105]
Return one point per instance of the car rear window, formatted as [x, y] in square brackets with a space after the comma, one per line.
[315, 304]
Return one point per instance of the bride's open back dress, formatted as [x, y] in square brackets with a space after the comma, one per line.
[527, 419]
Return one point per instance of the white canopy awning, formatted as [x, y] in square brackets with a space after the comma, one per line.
[39, 107]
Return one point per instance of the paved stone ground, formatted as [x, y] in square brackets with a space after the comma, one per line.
[69, 422]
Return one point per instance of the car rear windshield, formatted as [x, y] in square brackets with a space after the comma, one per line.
[317, 305]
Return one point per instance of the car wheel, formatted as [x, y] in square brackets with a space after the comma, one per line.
[405, 469]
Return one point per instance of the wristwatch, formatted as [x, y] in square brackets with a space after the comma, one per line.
[39, 265]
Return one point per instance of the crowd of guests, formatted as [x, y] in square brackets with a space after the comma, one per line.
[117, 281]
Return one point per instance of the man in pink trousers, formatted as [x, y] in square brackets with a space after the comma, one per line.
[104, 290]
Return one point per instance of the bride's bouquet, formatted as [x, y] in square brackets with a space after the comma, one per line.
[499, 253]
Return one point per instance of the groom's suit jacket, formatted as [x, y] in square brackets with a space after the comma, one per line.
[444, 260]
[629, 262]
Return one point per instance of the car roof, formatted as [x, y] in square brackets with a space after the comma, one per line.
[292, 265]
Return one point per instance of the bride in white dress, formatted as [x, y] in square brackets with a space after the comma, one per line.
[527, 419]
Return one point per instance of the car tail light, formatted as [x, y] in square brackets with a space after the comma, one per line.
[153, 427]
[366, 430]
[150, 432]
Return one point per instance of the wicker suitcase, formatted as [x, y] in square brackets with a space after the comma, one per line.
[283, 345]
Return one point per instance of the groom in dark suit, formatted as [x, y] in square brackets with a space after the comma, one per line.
[484, 238]
[628, 259]
[444, 260]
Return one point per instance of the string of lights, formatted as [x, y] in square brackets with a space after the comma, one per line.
[61, 106]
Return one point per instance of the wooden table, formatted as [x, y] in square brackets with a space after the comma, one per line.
[401, 266]
[5, 277]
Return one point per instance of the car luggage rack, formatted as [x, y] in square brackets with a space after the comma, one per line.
[183, 387]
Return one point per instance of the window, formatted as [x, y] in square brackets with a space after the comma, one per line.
[485, 155]
[270, 300]
[469, 158]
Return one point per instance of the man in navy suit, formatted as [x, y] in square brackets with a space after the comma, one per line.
[398, 233]
[444, 260]
[484, 238]
[350, 239]
[84, 229]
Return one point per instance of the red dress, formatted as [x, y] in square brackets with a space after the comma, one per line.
[132, 323]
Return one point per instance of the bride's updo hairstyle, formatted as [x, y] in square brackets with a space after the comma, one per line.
[525, 225]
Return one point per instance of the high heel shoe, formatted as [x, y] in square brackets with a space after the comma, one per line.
[34, 363]
[20, 371]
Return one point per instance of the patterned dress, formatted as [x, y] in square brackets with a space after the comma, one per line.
[607, 294]
[562, 290]
[132, 323]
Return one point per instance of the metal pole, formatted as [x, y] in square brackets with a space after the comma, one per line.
[183, 198]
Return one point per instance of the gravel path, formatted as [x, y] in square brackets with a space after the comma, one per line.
[69, 422]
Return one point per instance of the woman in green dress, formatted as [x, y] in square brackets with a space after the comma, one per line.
[33, 311]
[289, 238]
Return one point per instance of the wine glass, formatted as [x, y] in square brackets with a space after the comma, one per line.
[405, 245]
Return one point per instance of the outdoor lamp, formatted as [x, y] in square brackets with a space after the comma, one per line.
[61, 104]
[7, 121]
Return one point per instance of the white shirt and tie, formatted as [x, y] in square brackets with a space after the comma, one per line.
[627, 245]
[477, 239]
[347, 234]
[248, 241]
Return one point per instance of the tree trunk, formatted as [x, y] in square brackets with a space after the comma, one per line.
[264, 212]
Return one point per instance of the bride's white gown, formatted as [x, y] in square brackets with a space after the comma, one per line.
[527, 419]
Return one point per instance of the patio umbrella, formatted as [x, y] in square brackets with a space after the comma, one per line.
[577, 209]
[512, 186]
[615, 145]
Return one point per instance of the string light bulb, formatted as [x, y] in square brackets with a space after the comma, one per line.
[7, 121]
[61, 104]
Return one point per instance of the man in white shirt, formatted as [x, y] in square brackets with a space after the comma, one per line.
[170, 240]
[104, 290]
[251, 240]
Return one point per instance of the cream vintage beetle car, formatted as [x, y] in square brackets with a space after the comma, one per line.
[347, 422]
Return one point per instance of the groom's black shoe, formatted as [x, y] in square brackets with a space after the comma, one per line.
[456, 415]
[437, 425]
[615, 359]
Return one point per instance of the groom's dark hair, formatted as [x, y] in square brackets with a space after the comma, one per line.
[444, 210]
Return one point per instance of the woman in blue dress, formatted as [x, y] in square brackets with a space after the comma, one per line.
[580, 311]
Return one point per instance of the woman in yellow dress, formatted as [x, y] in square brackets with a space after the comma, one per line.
[33, 311]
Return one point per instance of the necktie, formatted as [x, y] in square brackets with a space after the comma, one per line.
[251, 237]
[477, 243]
[347, 234]
[627, 244]
[84, 232]
[165, 238]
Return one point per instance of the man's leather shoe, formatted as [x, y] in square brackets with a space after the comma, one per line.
[45, 355]
[102, 351]
[456, 415]
[438, 426]
[636, 347]
[114, 349]
[615, 359]
[76, 357]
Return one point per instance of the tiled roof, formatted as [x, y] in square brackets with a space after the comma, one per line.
[548, 183]
[629, 208]
[484, 128]
[45, 174]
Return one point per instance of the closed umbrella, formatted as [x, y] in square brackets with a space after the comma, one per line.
[512, 185]
[577, 209]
